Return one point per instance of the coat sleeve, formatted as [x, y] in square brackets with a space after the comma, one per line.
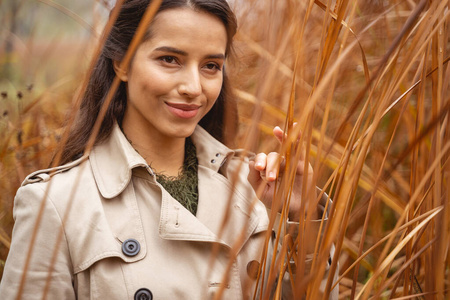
[55, 279]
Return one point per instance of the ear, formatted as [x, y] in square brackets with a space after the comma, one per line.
[121, 73]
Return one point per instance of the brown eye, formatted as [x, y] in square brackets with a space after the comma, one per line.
[168, 59]
[212, 66]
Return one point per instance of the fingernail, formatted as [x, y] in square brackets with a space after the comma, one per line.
[272, 175]
[258, 164]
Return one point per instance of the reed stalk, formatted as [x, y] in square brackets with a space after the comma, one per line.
[366, 81]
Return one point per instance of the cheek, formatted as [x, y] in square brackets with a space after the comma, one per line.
[148, 83]
[213, 90]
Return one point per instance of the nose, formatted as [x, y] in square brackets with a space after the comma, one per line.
[190, 83]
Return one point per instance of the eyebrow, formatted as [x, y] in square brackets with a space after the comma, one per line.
[184, 53]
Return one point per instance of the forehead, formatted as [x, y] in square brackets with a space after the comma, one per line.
[185, 26]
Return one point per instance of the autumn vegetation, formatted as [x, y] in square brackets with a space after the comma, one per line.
[368, 83]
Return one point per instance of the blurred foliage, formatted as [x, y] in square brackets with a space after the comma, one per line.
[45, 48]
[43, 53]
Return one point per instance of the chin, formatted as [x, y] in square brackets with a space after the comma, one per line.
[182, 132]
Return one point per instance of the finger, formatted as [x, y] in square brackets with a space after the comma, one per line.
[301, 168]
[254, 176]
[297, 144]
[260, 161]
[279, 133]
[273, 165]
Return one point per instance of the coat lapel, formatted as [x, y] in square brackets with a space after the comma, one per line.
[226, 214]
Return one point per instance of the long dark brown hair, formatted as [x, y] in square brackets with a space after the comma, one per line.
[216, 121]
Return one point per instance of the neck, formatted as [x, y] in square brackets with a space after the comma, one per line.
[164, 155]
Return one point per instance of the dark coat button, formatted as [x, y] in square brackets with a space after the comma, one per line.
[252, 269]
[143, 294]
[131, 247]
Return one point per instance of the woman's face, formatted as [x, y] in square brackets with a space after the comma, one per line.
[175, 76]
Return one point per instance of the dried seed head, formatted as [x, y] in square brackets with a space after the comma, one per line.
[30, 87]
[19, 137]
[4, 95]
[19, 94]
[5, 113]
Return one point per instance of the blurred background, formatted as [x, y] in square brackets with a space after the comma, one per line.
[366, 80]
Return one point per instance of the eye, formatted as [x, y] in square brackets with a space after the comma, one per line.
[213, 67]
[168, 59]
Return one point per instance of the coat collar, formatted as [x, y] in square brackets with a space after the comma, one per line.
[211, 153]
[114, 160]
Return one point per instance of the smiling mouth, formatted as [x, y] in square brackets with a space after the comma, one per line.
[183, 110]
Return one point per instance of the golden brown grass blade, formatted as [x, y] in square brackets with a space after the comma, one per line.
[368, 84]
[391, 256]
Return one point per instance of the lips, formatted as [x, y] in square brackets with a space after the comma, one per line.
[183, 110]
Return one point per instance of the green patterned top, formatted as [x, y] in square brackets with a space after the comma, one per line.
[184, 187]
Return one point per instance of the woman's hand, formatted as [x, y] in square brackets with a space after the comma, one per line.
[265, 170]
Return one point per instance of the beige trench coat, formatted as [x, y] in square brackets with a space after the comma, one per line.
[110, 231]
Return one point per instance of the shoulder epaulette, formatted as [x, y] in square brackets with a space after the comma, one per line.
[46, 174]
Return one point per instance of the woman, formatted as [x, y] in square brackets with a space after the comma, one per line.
[141, 215]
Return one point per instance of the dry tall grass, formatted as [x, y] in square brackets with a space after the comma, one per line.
[368, 83]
